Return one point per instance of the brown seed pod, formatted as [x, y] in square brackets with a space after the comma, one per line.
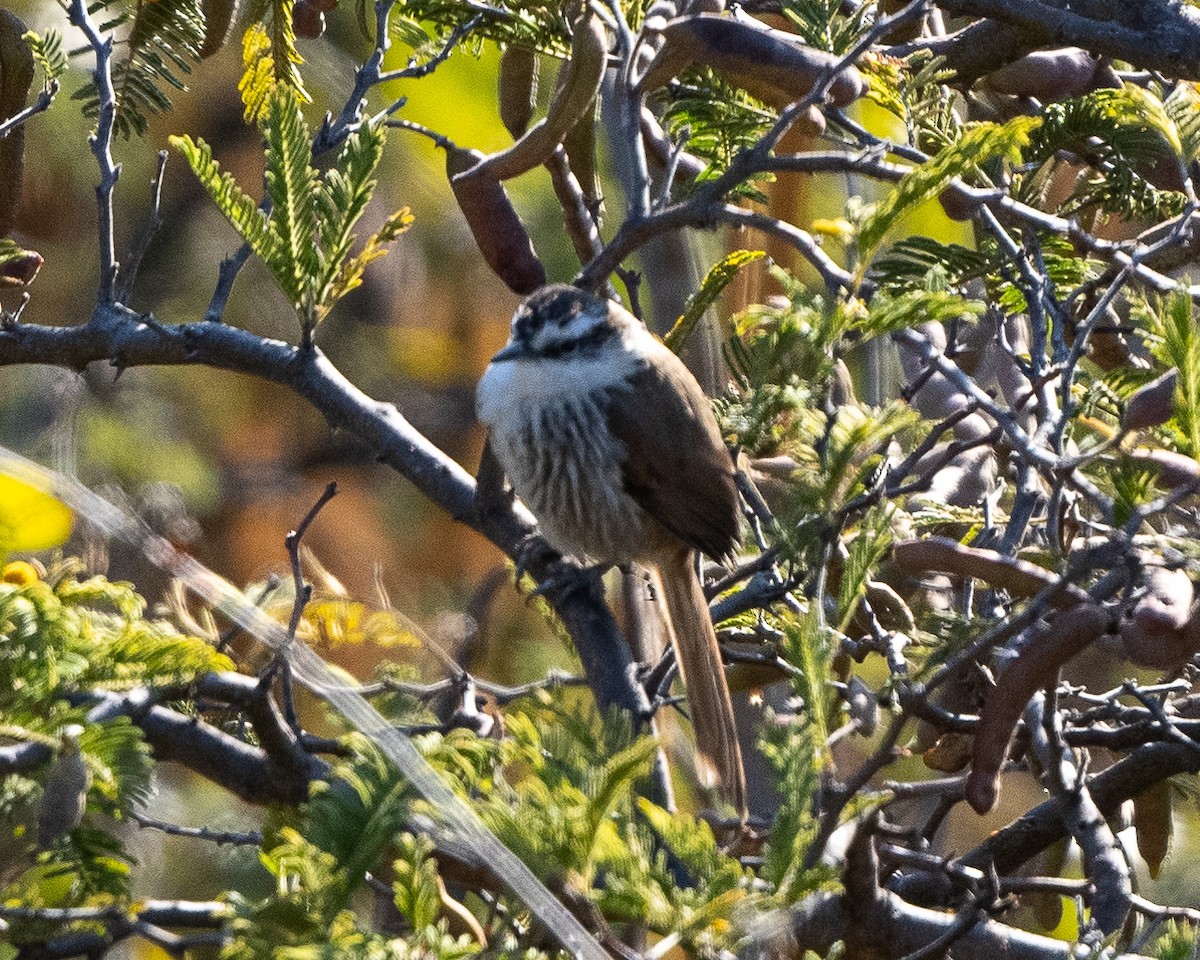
[951, 753]
[1064, 637]
[1152, 403]
[16, 74]
[768, 64]
[1174, 469]
[495, 224]
[307, 20]
[1153, 635]
[1152, 824]
[958, 205]
[20, 269]
[580, 144]
[516, 86]
[579, 86]
[218, 14]
[1019, 577]
[1051, 75]
[1166, 605]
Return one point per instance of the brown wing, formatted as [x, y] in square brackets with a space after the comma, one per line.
[676, 466]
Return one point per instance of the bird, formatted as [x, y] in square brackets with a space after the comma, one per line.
[609, 440]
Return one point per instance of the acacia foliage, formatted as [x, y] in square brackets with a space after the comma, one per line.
[957, 446]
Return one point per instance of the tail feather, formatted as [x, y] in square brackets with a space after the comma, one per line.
[699, 658]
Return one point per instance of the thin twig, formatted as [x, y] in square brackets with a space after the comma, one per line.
[101, 146]
[134, 261]
[40, 105]
[248, 838]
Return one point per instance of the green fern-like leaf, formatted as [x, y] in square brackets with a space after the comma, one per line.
[1180, 348]
[916, 261]
[978, 145]
[292, 187]
[48, 54]
[258, 73]
[145, 652]
[162, 43]
[306, 238]
[1130, 119]
[63, 635]
[346, 189]
[824, 24]
[1132, 485]
[799, 754]
[239, 208]
[415, 882]
[716, 280]
[357, 813]
[375, 247]
[867, 549]
[1121, 133]
[270, 58]
[426, 24]
[717, 121]
[341, 197]
[1177, 942]
[99, 863]
[889, 314]
[121, 764]
[1183, 107]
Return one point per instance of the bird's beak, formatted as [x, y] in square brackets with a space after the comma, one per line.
[512, 351]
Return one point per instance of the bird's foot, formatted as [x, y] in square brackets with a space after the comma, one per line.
[565, 578]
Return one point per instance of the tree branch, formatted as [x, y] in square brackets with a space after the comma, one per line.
[124, 339]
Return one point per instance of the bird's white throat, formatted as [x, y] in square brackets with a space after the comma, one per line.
[516, 389]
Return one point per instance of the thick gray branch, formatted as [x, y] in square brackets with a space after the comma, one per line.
[124, 339]
[1156, 35]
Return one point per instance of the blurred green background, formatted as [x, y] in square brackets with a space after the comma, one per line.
[243, 459]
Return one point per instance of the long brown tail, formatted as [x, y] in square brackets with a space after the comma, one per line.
[699, 658]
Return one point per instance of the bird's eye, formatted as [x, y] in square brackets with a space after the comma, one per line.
[569, 346]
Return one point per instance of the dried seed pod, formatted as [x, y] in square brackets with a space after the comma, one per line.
[951, 753]
[307, 20]
[1153, 635]
[1167, 603]
[580, 144]
[218, 14]
[1065, 636]
[1019, 577]
[1152, 824]
[1152, 403]
[495, 224]
[768, 64]
[1174, 469]
[516, 86]
[16, 74]
[580, 84]
[1051, 75]
[19, 269]
[958, 205]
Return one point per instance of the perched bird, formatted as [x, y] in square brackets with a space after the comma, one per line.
[608, 438]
